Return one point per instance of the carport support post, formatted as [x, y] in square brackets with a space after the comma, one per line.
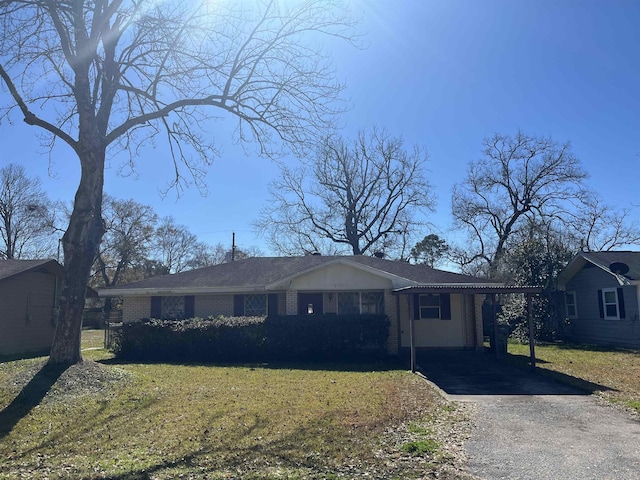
[494, 319]
[532, 336]
[412, 340]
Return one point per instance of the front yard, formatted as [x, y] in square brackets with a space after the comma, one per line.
[158, 421]
[613, 374]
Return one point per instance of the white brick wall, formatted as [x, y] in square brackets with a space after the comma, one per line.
[135, 308]
[390, 307]
[213, 305]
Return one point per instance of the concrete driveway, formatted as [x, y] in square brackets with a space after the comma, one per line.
[531, 427]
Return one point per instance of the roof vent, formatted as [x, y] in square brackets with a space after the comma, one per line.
[619, 268]
[378, 254]
[316, 254]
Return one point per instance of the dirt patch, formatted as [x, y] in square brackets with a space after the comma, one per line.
[85, 378]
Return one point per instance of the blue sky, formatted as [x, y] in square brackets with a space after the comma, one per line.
[443, 74]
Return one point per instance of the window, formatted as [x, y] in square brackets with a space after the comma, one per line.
[355, 303]
[372, 302]
[172, 308]
[255, 305]
[348, 303]
[430, 306]
[570, 302]
[610, 303]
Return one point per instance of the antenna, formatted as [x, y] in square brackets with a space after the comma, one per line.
[233, 246]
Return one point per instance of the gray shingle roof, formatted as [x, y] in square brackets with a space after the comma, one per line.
[263, 271]
[9, 268]
[605, 259]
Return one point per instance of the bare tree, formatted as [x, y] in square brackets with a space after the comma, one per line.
[175, 246]
[113, 75]
[598, 226]
[26, 215]
[520, 177]
[129, 231]
[129, 228]
[361, 196]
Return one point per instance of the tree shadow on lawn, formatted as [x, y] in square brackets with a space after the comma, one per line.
[523, 361]
[290, 451]
[29, 397]
[366, 365]
[471, 373]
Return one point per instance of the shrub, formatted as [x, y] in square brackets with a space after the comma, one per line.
[195, 339]
[326, 337]
[329, 336]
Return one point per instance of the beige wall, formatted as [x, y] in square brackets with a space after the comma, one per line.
[26, 313]
[340, 278]
[455, 333]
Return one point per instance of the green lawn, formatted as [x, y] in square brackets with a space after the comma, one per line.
[611, 373]
[142, 421]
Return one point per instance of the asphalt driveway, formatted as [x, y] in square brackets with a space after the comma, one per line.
[531, 427]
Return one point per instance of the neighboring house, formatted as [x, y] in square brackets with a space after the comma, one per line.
[28, 301]
[442, 309]
[601, 298]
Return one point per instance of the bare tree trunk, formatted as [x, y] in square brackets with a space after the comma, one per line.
[81, 243]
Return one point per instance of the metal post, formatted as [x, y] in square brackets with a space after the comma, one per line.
[532, 336]
[412, 341]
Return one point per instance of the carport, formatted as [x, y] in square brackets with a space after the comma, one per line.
[411, 294]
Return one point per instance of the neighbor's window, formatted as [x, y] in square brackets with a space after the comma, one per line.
[355, 303]
[570, 301]
[610, 303]
[255, 305]
[172, 308]
[430, 306]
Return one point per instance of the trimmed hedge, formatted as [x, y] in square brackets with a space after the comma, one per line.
[291, 337]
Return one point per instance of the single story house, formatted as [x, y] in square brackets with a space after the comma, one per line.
[601, 295]
[28, 299]
[427, 308]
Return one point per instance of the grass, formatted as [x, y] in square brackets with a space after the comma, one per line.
[612, 373]
[160, 421]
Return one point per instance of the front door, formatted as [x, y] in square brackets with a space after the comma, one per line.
[310, 303]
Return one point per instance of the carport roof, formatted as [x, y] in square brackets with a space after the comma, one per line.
[480, 288]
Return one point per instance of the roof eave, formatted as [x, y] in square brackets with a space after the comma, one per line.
[396, 280]
[468, 288]
[158, 291]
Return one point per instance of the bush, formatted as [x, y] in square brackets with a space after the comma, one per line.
[326, 337]
[329, 336]
[195, 339]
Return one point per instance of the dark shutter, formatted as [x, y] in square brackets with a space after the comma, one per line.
[445, 306]
[272, 304]
[189, 306]
[238, 305]
[156, 307]
[600, 304]
[416, 306]
[621, 303]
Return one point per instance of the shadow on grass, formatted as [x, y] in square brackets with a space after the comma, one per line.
[523, 361]
[471, 373]
[29, 397]
[364, 365]
[591, 347]
[247, 461]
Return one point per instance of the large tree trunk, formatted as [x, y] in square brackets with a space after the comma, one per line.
[81, 242]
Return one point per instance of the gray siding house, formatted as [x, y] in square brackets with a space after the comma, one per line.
[601, 298]
[28, 299]
[427, 308]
